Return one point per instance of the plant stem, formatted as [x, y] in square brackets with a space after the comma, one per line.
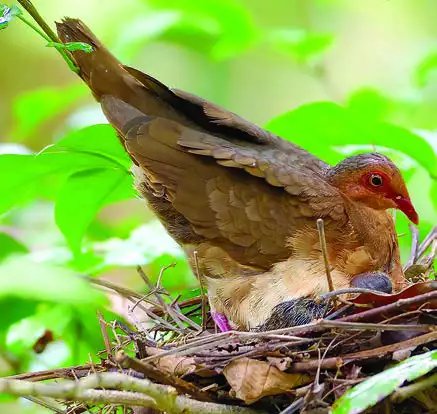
[46, 33]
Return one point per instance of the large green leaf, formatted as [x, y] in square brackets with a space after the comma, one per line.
[21, 176]
[228, 22]
[82, 197]
[97, 140]
[33, 108]
[300, 44]
[22, 278]
[426, 69]
[376, 388]
[321, 127]
[9, 245]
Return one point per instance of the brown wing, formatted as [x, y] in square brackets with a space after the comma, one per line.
[186, 146]
[237, 208]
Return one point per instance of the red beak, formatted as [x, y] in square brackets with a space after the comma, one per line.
[406, 206]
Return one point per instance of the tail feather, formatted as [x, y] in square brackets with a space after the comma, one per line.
[106, 75]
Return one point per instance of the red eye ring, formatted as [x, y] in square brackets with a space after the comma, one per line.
[376, 180]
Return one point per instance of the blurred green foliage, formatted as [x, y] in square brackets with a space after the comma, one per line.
[81, 179]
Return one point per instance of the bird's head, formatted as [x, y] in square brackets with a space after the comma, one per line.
[374, 180]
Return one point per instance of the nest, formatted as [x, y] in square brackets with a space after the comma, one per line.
[179, 363]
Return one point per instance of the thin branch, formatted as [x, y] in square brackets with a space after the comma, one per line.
[396, 306]
[414, 247]
[432, 235]
[66, 373]
[202, 291]
[324, 248]
[177, 317]
[347, 291]
[104, 331]
[378, 353]
[403, 393]
[135, 392]
[46, 403]
[47, 33]
[150, 371]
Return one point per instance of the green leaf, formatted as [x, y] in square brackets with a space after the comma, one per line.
[20, 177]
[426, 69]
[370, 103]
[300, 44]
[376, 388]
[72, 46]
[142, 29]
[228, 22]
[82, 197]
[24, 177]
[22, 278]
[8, 246]
[321, 127]
[32, 109]
[96, 140]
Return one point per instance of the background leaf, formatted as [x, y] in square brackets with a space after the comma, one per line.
[83, 195]
[321, 127]
[376, 388]
[29, 280]
[299, 44]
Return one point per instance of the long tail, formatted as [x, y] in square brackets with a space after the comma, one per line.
[106, 76]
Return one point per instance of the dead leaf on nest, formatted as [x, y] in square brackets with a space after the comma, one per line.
[180, 365]
[251, 379]
[281, 363]
[175, 365]
[385, 299]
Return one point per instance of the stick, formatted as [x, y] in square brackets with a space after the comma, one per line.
[432, 235]
[202, 291]
[381, 352]
[414, 247]
[324, 248]
[47, 33]
[134, 392]
[183, 387]
[403, 393]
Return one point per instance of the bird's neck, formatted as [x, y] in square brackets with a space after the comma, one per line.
[374, 229]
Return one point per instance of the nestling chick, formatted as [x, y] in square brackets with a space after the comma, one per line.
[246, 200]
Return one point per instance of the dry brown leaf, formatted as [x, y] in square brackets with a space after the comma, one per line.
[251, 379]
[281, 363]
[179, 365]
[176, 365]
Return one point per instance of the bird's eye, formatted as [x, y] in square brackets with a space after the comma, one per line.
[375, 180]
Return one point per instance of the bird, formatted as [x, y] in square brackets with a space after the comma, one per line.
[243, 203]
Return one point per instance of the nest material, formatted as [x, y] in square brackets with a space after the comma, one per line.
[180, 364]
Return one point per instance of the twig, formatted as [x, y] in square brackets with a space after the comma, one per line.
[414, 247]
[403, 393]
[294, 407]
[380, 353]
[187, 303]
[399, 304]
[104, 331]
[66, 373]
[347, 291]
[323, 247]
[47, 33]
[111, 286]
[44, 402]
[150, 371]
[428, 260]
[169, 309]
[202, 291]
[432, 235]
[135, 392]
